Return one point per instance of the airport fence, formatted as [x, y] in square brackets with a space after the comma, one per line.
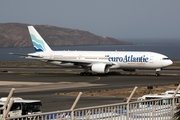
[154, 109]
[157, 109]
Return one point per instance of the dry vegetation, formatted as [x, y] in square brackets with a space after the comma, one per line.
[125, 92]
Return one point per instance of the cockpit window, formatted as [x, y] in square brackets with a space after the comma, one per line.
[165, 58]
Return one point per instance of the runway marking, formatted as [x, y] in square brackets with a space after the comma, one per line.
[28, 87]
[22, 83]
[98, 78]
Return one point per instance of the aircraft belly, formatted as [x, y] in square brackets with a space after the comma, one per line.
[136, 65]
[68, 65]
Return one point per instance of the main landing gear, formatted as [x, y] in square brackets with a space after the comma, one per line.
[86, 73]
[157, 72]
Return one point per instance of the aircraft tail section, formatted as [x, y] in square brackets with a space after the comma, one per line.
[38, 42]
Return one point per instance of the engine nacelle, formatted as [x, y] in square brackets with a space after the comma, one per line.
[100, 68]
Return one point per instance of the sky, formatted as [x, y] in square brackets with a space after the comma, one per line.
[122, 19]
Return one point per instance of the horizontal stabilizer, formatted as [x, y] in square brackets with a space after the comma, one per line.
[25, 55]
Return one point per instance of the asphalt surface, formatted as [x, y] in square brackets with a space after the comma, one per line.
[43, 85]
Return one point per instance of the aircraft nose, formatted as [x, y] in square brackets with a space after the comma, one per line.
[170, 62]
[167, 63]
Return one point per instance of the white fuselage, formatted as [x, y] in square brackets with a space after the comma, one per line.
[116, 59]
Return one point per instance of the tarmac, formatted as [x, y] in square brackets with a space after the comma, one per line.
[43, 84]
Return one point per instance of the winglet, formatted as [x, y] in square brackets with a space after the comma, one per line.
[38, 42]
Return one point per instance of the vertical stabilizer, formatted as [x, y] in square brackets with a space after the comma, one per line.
[38, 42]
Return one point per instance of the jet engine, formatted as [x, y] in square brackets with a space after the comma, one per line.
[100, 68]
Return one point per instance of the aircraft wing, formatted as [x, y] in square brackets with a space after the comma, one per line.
[76, 61]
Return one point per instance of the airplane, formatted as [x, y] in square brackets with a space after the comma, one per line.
[100, 62]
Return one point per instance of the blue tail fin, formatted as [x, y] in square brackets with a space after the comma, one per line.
[38, 42]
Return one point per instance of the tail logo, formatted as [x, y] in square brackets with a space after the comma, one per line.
[38, 44]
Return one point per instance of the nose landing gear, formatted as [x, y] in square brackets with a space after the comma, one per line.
[157, 72]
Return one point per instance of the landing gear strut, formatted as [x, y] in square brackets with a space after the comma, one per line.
[157, 72]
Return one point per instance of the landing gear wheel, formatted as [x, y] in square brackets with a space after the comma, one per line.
[85, 73]
[157, 74]
[90, 73]
[82, 74]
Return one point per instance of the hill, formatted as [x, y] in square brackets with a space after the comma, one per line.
[17, 35]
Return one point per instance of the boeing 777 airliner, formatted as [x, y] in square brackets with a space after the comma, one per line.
[97, 61]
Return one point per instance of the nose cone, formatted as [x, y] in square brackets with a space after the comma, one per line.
[167, 63]
[170, 62]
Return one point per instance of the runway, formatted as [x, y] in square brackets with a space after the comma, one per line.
[44, 85]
